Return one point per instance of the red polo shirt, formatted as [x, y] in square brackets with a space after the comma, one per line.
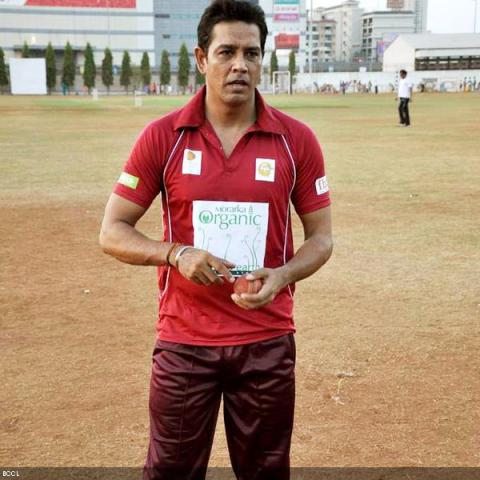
[237, 208]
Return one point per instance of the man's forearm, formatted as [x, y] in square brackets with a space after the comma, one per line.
[128, 245]
[314, 253]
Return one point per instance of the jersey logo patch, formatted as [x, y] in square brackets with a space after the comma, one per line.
[128, 180]
[321, 185]
[192, 162]
[265, 170]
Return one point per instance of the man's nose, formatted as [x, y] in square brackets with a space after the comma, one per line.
[239, 64]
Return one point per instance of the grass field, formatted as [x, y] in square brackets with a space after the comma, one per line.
[396, 309]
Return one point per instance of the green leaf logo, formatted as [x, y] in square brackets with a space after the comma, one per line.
[205, 216]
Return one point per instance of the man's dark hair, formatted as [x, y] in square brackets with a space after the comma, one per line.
[403, 72]
[230, 11]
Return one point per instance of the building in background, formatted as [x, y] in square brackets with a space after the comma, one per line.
[136, 26]
[433, 51]
[421, 11]
[347, 30]
[287, 27]
[381, 28]
[118, 24]
[327, 40]
[420, 7]
[176, 22]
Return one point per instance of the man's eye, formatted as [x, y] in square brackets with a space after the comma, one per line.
[226, 52]
[252, 55]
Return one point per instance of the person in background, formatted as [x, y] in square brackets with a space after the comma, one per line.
[405, 89]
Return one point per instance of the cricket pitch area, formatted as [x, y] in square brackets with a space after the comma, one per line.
[388, 332]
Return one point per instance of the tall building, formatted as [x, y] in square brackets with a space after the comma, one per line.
[420, 7]
[326, 40]
[347, 31]
[421, 11]
[380, 29]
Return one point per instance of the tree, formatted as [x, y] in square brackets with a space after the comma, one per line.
[199, 78]
[89, 69]
[25, 50]
[145, 69]
[107, 69]
[3, 71]
[68, 73]
[51, 68]
[165, 74]
[126, 73]
[273, 64]
[183, 67]
[292, 68]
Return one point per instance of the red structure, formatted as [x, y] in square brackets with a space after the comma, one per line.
[83, 3]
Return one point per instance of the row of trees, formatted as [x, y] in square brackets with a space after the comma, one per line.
[3, 71]
[107, 73]
[126, 72]
[292, 65]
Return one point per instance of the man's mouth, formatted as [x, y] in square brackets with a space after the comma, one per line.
[239, 82]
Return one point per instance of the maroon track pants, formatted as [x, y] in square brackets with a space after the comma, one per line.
[257, 382]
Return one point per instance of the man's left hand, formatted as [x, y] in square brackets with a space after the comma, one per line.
[273, 279]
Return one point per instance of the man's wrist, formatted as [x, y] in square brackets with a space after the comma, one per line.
[179, 253]
[171, 250]
[285, 275]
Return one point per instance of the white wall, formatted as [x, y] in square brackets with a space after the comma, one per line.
[398, 55]
[383, 80]
[28, 76]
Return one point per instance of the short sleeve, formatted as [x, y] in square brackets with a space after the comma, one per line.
[311, 191]
[141, 178]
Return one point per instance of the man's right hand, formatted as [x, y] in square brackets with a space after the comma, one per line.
[203, 268]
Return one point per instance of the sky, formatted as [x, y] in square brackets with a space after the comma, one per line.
[444, 16]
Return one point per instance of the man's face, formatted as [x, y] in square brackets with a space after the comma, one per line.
[232, 65]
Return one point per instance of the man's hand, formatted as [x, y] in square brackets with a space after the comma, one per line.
[203, 268]
[314, 252]
[274, 279]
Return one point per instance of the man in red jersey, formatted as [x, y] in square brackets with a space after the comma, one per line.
[227, 166]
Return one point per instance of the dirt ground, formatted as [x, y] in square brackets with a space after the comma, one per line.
[388, 331]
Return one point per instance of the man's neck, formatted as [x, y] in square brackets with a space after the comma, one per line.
[223, 116]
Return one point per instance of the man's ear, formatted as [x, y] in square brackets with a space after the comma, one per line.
[201, 59]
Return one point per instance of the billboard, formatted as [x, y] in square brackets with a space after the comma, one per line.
[396, 4]
[286, 12]
[72, 3]
[287, 41]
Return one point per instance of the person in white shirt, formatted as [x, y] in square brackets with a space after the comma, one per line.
[405, 89]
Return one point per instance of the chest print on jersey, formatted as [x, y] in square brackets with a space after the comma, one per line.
[265, 170]
[192, 162]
